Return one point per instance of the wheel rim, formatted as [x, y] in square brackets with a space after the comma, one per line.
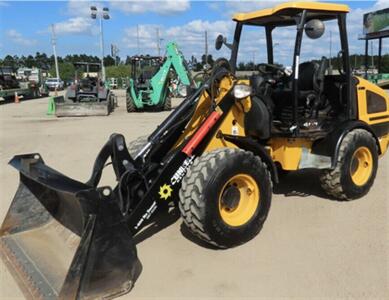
[361, 166]
[239, 200]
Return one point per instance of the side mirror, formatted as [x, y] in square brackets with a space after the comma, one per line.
[219, 42]
[314, 28]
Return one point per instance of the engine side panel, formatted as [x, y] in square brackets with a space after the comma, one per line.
[373, 109]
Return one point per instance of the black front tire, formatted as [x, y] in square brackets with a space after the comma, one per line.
[339, 183]
[202, 190]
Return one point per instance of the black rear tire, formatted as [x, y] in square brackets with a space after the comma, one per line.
[205, 187]
[343, 182]
[130, 104]
[112, 102]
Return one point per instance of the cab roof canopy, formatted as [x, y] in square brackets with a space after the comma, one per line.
[284, 14]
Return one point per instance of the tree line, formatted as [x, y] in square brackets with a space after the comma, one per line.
[115, 67]
[65, 64]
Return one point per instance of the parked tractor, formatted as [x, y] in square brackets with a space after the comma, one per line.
[154, 80]
[8, 78]
[215, 158]
[25, 83]
[88, 95]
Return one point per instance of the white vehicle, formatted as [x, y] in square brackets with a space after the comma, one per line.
[54, 84]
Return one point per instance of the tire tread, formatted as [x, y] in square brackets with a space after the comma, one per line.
[330, 180]
[191, 201]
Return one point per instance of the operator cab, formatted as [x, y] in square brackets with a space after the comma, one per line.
[88, 76]
[143, 68]
[295, 92]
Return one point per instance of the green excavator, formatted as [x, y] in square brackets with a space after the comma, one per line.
[154, 79]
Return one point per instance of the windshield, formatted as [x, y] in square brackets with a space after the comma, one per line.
[253, 47]
[146, 68]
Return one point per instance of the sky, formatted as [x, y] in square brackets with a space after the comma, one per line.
[25, 28]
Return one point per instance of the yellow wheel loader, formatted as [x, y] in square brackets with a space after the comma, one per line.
[215, 157]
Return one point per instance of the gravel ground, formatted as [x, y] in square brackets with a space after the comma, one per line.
[310, 246]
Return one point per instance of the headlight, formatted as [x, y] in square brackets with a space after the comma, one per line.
[242, 91]
[182, 90]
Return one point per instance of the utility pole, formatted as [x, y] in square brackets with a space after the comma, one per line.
[137, 38]
[206, 47]
[254, 59]
[372, 55]
[54, 43]
[114, 53]
[158, 43]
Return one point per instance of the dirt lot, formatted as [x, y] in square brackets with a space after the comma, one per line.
[310, 246]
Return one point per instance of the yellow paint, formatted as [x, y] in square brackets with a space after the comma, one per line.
[245, 102]
[233, 122]
[362, 87]
[384, 144]
[324, 7]
[287, 152]
[203, 109]
[165, 191]
[361, 166]
[234, 117]
[249, 199]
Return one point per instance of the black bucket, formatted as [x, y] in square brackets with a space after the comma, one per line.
[64, 239]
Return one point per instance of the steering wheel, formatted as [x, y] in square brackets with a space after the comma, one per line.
[271, 69]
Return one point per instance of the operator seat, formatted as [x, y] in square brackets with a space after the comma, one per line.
[311, 84]
[310, 93]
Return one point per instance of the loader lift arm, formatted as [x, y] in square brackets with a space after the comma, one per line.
[97, 223]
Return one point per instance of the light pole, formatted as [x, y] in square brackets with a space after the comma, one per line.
[54, 43]
[104, 15]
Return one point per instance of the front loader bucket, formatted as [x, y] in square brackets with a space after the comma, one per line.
[81, 109]
[93, 107]
[64, 239]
